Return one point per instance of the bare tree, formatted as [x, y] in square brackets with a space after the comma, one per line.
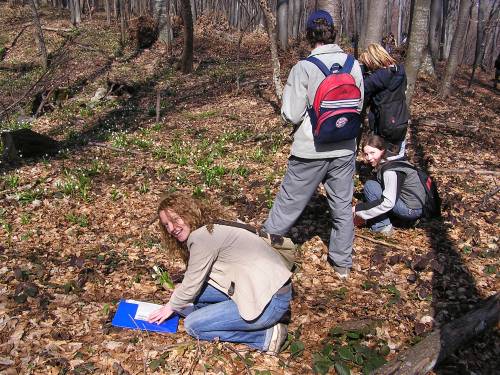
[434, 24]
[418, 42]
[458, 37]
[375, 26]
[297, 13]
[107, 6]
[271, 31]
[39, 35]
[282, 11]
[187, 52]
[162, 13]
[483, 25]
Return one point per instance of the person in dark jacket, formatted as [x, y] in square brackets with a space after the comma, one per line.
[397, 190]
[385, 93]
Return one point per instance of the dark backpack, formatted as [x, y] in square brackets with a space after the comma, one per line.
[334, 114]
[432, 204]
[391, 113]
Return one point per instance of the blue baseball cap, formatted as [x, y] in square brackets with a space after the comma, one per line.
[316, 15]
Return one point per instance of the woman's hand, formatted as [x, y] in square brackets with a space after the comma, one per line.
[160, 315]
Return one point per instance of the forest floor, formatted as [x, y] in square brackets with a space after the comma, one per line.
[78, 230]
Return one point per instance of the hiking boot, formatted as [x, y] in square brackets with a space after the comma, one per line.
[342, 272]
[280, 334]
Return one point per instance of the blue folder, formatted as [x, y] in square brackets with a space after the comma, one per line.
[125, 317]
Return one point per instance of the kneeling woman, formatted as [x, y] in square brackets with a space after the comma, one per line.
[236, 288]
[397, 190]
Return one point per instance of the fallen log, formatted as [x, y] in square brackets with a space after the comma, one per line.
[431, 351]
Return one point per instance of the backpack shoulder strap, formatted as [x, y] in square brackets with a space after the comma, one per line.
[349, 63]
[320, 64]
[391, 165]
[236, 224]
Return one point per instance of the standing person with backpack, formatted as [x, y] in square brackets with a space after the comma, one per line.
[385, 93]
[399, 189]
[323, 97]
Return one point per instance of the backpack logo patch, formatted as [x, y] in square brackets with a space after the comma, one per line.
[341, 122]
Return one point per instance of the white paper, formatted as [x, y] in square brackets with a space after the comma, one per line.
[144, 309]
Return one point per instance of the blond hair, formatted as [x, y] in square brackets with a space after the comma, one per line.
[194, 212]
[376, 57]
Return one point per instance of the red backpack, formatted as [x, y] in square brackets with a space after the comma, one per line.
[334, 114]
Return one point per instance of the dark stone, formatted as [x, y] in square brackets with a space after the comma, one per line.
[412, 278]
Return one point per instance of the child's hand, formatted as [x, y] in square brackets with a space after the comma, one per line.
[358, 221]
[160, 315]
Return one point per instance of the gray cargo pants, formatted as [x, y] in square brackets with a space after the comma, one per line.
[299, 184]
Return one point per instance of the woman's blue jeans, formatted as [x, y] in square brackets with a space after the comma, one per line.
[373, 191]
[215, 316]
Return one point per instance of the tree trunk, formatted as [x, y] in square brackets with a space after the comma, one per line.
[400, 22]
[187, 51]
[458, 38]
[375, 26]
[122, 22]
[427, 66]
[418, 41]
[480, 39]
[334, 8]
[444, 20]
[162, 16]
[39, 35]
[107, 7]
[364, 22]
[436, 8]
[78, 12]
[297, 13]
[282, 11]
[271, 31]
[431, 351]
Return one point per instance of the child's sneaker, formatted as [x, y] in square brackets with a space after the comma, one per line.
[387, 231]
[280, 334]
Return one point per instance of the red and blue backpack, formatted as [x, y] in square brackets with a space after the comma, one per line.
[334, 114]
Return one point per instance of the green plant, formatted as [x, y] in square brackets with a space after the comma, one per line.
[236, 135]
[178, 152]
[345, 350]
[25, 218]
[6, 226]
[12, 181]
[198, 192]
[241, 170]
[79, 181]
[212, 176]
[28, 196]
[143, 144]
[490, 269]
[80, 220]
[268, 194]
[144, 188]
[277, 140]
[258, 155]
[394, 292]
[119, 140]
[105, 309]
[115, 195]
[162, 278]
[294, 344]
